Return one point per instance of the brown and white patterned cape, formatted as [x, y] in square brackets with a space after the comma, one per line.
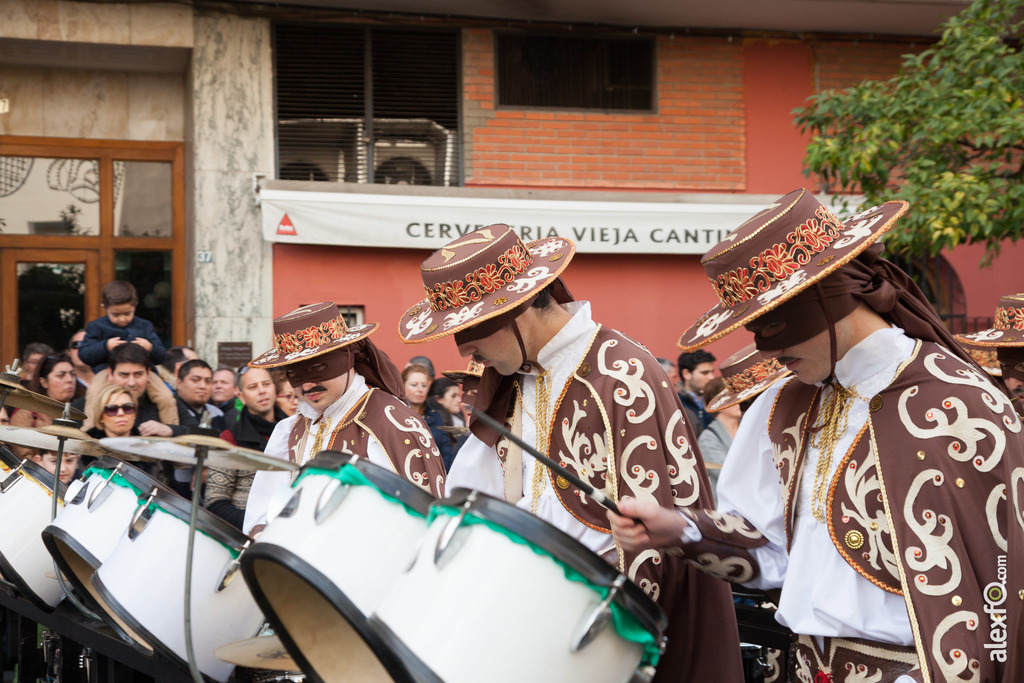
[403, 435]
[926, 504]
[618, 409]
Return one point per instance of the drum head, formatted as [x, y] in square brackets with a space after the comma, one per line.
[323, 631]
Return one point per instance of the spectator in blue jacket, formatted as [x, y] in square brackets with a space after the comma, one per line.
[119, 326]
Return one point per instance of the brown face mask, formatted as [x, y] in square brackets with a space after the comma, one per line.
[798, 320]
[320, 368]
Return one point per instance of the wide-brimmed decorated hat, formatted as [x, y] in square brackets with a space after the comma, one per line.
[778, 253]
[310, 331]
[474, 369]
[746, 374]
[1008, 328]
[985, 356]
[479, 276]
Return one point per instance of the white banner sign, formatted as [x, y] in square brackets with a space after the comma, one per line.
[430, 222]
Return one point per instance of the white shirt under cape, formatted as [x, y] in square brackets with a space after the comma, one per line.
[477, 466]
[274, 488]
[822, 595]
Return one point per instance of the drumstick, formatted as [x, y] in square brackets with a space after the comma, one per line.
[592, 493]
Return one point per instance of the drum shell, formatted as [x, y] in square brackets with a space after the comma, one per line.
[94, 528]
[86, 531]
[23, 557]
[361, 547]
[142, 582]
[338, 567]
[499, 607]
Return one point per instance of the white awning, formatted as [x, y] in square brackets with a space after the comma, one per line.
[366, 216]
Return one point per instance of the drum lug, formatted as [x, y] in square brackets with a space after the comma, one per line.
[232, 568]
[291, 506]
[12, 478]
[329, 502]
[141, 517]
[95, 498]
[444, 539]
[80, 496]
[591, 625]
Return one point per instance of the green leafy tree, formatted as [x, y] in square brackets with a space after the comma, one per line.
[946, 134]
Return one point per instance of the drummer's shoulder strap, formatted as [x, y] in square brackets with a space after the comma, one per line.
[511, 457]
[297, 439]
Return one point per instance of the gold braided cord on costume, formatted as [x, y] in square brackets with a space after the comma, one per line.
[834, 419]
[318, 442]
[543, 437]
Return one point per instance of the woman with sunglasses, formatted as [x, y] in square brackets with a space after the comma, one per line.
[115, 415]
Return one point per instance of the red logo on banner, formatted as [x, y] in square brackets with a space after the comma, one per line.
[285, 227]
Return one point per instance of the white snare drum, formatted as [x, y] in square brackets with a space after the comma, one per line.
[98, 509]
[324, 563]
[498, 594]
[141, 583]
[26, 504]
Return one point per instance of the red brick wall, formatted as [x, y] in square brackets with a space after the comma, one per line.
[703, 135]
[694, 141]
[842, 64]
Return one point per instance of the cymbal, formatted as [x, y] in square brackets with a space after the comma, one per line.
[712, 465]
[20, 397]
[263, 652]
[92, 446]
[37, 438]
[182, 450]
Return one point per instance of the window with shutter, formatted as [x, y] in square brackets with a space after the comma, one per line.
[554, 72]
[367, 105]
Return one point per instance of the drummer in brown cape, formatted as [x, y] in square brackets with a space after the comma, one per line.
[350, 401]
[590, 398]
[880, 490]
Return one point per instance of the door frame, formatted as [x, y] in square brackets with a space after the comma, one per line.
[106, 244]
[9, 348]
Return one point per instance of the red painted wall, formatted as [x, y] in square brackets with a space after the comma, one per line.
[653, 299]
[984, 285]
[776, 80]
[723, 124]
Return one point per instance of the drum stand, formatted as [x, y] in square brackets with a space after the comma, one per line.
[65, 421]
[193, 517]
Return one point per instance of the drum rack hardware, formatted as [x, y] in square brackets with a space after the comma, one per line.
[115, 656]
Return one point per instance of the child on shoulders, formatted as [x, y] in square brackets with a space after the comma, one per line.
[118, 326]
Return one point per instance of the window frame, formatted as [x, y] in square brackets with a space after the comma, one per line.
[106, 244]
[649, 39]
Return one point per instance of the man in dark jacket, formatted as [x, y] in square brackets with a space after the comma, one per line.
[695, 369]
[228, 490]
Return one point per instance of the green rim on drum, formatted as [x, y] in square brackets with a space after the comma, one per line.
[144, 498]
[626, 624]
[349, 475]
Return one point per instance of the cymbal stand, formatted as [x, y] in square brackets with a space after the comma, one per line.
[11, 375]
[65, 421]
[193, 521]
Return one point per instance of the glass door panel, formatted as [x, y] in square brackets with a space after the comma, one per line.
[48, 196]
[51, 293]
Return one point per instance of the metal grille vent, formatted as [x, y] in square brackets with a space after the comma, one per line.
[365, 105]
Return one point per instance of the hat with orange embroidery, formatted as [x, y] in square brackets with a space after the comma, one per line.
[1007, 329]
[480, 277]
[308, 332]
[746, 374]
[778, 253]
[1005, 338]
